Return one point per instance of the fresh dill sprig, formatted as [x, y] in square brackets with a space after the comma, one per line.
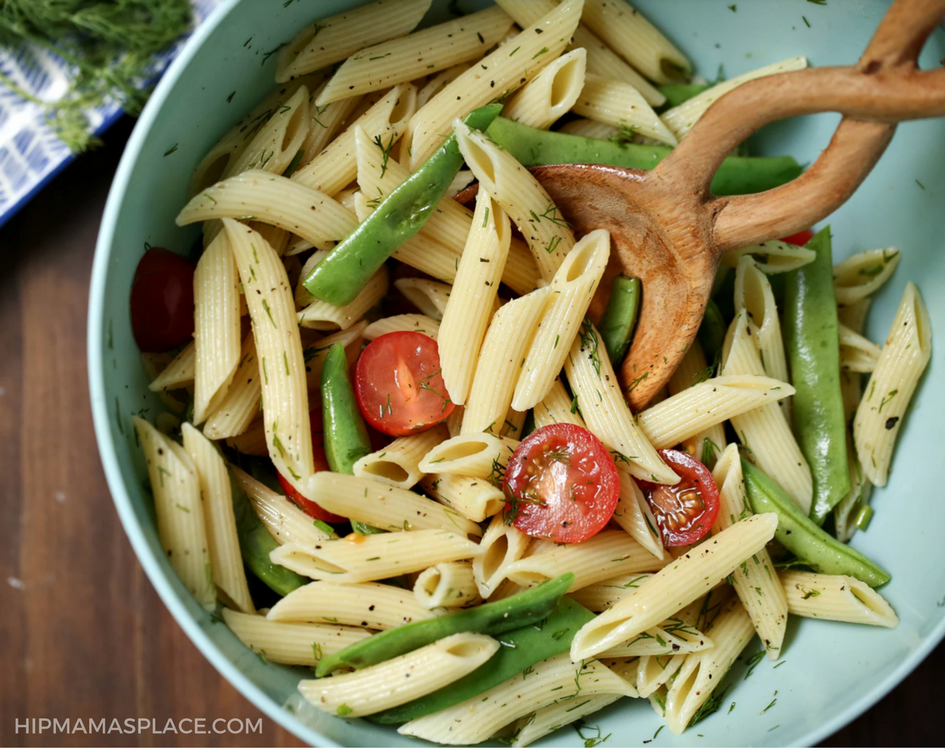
[108, 45]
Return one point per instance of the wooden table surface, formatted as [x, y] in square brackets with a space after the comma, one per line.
[82, 632]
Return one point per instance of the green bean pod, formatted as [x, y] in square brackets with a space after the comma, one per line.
[525, 608]
[616, 324]
[518, 650]
[677, 94]
[344, 272]
[256, 544]
[802, 537]
[736, 175]
[813, 350]
[346, 436]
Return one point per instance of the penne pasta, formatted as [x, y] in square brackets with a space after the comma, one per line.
[633, 513]
[551, 94]
[235, 412]
[771, 257]
[324, 316]
[430, 297]
[474, 498]
[375, 557]
[179, 373]
[415, 322]
[451, 584]
[620, 105]
[551, 718]
[857, 353]
[503, 545]
[557, 406]
[836, 597]
[400, 463]
[281, 518]
[422, 53]
[480, 455]
[862, 275]
[693, 369]
[180, 519]
[903, 359]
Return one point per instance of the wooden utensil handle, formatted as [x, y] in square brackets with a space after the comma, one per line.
[883, 88]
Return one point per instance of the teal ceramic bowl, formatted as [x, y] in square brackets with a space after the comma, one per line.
[831, 672]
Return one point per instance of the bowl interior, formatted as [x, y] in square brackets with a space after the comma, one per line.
[831, 672]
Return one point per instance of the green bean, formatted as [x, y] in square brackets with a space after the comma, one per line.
[346, 436]
[525, 608]
[348, 267]
[802, 537]
[256, 544]
[677, 94]
[712, 331]
[736, 175]
[616, 324]
[518, 650]
[813, 350]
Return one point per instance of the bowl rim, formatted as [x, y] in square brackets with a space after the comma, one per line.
[119, 490]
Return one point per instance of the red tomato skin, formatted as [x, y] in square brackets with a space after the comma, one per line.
[398, 385]
[321, 463]
[690, 470]
[571, 517]
[799, 239]
[162, 301]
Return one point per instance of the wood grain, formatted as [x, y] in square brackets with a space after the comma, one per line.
[82, 633]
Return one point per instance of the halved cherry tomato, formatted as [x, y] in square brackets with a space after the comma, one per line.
[684, 512]
[321, 463]
[799, 239]
[561, 484]
[162, 301]
[399, 386]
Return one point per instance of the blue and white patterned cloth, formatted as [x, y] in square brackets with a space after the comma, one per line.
[30, 153]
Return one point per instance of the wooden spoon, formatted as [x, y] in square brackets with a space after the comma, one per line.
[666, 227]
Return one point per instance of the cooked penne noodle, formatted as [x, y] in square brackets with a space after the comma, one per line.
[904, 357]
[605, 410]
[551, 94]
[415, 322]
[599, 597]
[682, 118]
[217, 499]
[863, 274]
[764, 429]
[500, 362]
[701, 673]
[551, 681]
[755, 580]
[693, 369]
[451, 584]
[675, 586]
[513, 187]
[371, 605]
[384, 506]
[296, 644]
[600, 557]
[336, 166]
[557, 406]
[857, 353]
[651, 672]
[480, 455]
[422, 53]
[400, 462]
[473, 498]
[324, 316]
[853, 316]
[601, 60]
[473, 297]
[633, 514]
[551, 718]
[849, 510]
[753, 294]
[521, 59]
[706, 404]
[276, 143]
[572, 289]
[327, 122]
[836, 597]
[332, 39]
[180, 372]
[585, 127]
[436, 84]
[284, 389]
[430, 297]
[315, 353]
[771, 257]
[401, 679]
[238, 408]
[261, 196]
[180, 519]
[620, 105]
[503, 545]
[375, 557]
[217, 342]
[252, 441]
[635, 39]
[283, 520]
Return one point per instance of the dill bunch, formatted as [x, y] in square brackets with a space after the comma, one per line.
[108, 44]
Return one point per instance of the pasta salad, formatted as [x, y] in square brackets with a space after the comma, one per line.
[395, 450]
